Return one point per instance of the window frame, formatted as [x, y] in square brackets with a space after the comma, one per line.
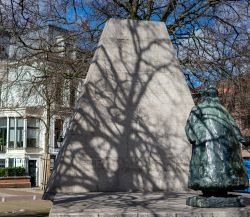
[3, 134]
[38, 131]
[2, 162]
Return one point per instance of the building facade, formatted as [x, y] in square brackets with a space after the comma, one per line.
[234, 94]
[26, 120]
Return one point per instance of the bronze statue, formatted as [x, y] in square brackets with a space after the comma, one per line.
[216, 166]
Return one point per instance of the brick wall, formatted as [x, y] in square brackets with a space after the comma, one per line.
[15, 182]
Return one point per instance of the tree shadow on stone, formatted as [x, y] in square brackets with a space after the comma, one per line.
[113, 144]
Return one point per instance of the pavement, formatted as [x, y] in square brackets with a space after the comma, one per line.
[26, 202]
[138, 205]
[7, 194]
[23, 202]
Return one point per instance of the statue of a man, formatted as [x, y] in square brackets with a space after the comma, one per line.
[216, 165]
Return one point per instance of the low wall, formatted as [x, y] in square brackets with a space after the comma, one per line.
[15, 182]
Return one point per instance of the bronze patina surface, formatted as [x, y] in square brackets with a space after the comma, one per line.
[216, 202]
[216, 164]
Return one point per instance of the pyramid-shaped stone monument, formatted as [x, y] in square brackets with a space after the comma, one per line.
[127, 133]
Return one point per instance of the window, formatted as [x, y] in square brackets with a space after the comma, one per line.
[33, 131]
[2, 163]
[245, 122]
[19, 132]
[12, 133]
[52, 162]
[19, 162]
[16, 132]
[60, 45]
[11, 162]
[58, 132]
[3, 134]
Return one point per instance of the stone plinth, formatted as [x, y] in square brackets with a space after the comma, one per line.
[216, 202]
[137, 205]
[127, 133]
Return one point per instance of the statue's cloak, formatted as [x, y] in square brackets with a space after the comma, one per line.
[216, 161]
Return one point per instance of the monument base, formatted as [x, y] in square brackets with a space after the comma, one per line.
[216, 202]
[158, 204]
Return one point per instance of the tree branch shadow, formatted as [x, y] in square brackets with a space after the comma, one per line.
[113, 143]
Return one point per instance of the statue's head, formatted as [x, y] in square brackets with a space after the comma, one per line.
[210, 93]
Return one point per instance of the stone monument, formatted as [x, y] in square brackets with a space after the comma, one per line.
[216, 165]
[127, 133]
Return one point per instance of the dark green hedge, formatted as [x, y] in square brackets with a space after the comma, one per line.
[12, 171]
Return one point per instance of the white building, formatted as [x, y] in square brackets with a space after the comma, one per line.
[23, 113]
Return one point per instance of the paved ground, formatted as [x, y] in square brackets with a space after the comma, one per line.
[138, 205]
[23, 202]
[27, 203]
[17, 193]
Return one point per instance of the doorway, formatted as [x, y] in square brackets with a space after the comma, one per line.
[33, 173]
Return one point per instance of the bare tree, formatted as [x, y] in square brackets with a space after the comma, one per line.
[211, 37]
[205, 33]
[44, 67]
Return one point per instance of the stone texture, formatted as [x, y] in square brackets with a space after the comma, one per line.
[127, 133]
[215, 202]
[138, 205]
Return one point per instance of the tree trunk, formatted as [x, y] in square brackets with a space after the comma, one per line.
[46, 170]
[46, 159]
